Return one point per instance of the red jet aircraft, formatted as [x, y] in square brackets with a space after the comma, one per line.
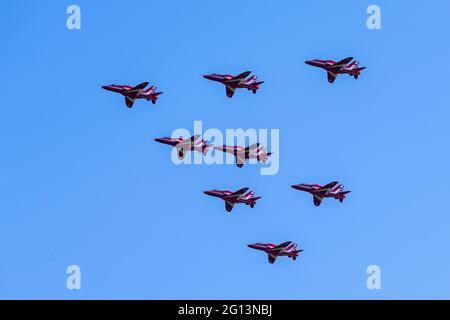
[252, 152]
[231, 198]
[320, 192]
[273, 251]
[234, 82]
[334, 68]
[184, 145]
[133, 93]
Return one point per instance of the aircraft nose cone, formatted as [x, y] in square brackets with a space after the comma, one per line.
[310, 62]
[209, 193]
[207, 76]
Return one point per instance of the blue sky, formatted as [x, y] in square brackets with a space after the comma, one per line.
[83, 182]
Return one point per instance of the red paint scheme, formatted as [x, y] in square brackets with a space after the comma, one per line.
[331, 190]
[236, 82]
[334, 68]
[288, 249]
[242, 154]
[231, 198]
[133, 93]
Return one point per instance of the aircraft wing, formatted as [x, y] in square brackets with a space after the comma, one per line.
[317, 200]
[331, 76]
[329, 186]
[195, 138]
[129, 102]
[342, 63]
[237, 194]
[230, 91]
[281, 246]
[253, 147]
[188, 142]
[139, 87]
[229, 206]
[240, 77]
[272, 258]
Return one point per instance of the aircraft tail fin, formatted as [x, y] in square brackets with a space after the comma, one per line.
[358, 72]
[253, 202]
[155, 97]
[343, 195]
[255, 85]
[265, 157]
[295, 254]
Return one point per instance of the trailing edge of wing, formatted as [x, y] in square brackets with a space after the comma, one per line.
[329, 186]
[238, 193]
[240, 77]
[342, 63]
[282, 246]
[139, 87]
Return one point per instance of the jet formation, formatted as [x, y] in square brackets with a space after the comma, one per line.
[255, 151]
[273, 251]
[334, 68]
[231, 198]
[132, 93]
[331, 190]
[236, 82]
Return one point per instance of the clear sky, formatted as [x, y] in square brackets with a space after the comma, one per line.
[83, 183]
